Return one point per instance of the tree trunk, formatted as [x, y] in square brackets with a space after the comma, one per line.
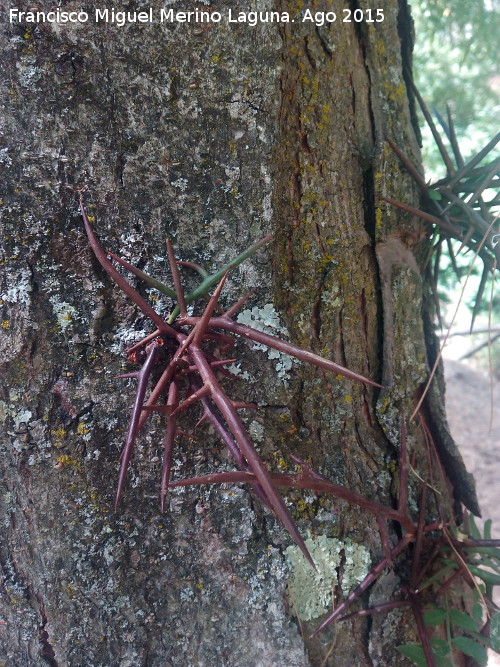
[212, 135]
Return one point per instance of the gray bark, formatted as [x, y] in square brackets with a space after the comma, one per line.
[211, 136]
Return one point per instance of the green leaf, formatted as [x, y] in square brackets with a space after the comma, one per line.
[488, 562]
[494, 552]
[451, 565]
[471, 648]
[434, 617]
[435, 196]
[440, 647]
[477, 611]
[413, 652]
[487, 529]
[487, 577]
[473, 529]
[463, 620]
[495, 632]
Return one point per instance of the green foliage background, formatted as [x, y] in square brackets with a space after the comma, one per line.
[457, 62]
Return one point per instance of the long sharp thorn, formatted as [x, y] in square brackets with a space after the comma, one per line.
[434, 130]
[222, 362]
[203, 418]
[419, 538]
[281, 345]
[422, 630]
[236, 306]
[311, 481]
[211, 414]
[239, 405]
[361, 588]
[246, 447]
[133, 295]
[143, 276]
[141, 343]
[168, 443]
[185, 434]
[384, 538]
[479, 296]
[168, 446]
[409, 166]
[203, 323]
[377, 609]
[179, 290]
[453, 138]
[142, 384]
[159, 388]
[196, 267]
[422, 214]
[193, 398]
[467, 168]
[162, 409]
[403, 472]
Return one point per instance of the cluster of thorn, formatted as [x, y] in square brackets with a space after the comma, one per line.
[192, 375]
[202, 369]
[456, 205]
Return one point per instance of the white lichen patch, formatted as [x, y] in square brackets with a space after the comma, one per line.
[309, 591]
[18, 288]
[63, 311]
[126, 336]
[267, 320]
[235, 369]
[19, 416]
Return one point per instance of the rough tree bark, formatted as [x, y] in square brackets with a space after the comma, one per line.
[212, 135]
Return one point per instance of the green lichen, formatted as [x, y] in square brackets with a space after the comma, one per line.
[310, 591]
[266, 319]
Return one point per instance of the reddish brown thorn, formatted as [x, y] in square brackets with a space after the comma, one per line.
[141, 343]
[202, 324]
[377, 609]
[181, 299]
[158, 390]
[308, 479]
[384, 538]
[203, 418]
[419, 538]
[403, 472]
[425, 216]
[142, 384]
[211, 414]
[366, 583]
[421, 629]
[193, 398]
[162, 409]
[281, 345]
[235, 307]
[185, 434]
[239, 405]
[222, 362]
[409, 166]
[196, 267]
[135, 375]
[244, 443]
[437, 137]
[168, 443]
[141, 303]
